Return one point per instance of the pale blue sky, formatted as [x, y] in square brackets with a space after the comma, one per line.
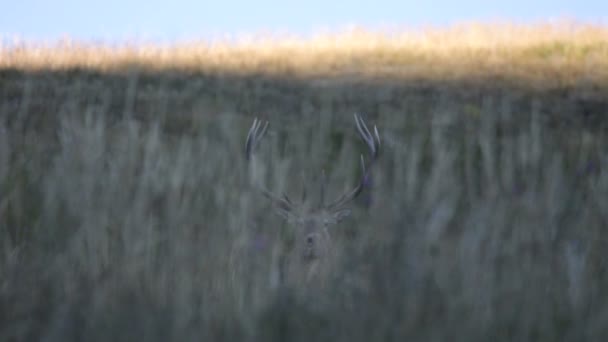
[188, 19]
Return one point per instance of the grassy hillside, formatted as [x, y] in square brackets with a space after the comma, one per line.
[127, 211]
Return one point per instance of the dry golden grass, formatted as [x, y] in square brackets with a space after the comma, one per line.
[547, 54]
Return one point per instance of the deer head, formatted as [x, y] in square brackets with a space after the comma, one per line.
[312, 222]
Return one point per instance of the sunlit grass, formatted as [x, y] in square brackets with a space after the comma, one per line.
[544, 54]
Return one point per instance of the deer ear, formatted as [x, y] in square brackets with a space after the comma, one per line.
[341, 214]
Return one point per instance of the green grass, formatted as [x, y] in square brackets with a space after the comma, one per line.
[127, 212]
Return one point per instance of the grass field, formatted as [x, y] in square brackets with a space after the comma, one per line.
[127, 211]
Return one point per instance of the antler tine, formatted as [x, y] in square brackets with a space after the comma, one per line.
[373, 143]
[254, 136]
[282, 203]
[367, 136]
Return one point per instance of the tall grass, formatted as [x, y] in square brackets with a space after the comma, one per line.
[126, 210]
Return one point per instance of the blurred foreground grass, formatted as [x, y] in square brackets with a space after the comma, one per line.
[126, 211]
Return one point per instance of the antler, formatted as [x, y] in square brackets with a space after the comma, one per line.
[255, 135]
[373, 143]
[283, 203]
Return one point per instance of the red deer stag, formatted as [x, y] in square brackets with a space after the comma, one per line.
[311, 223]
